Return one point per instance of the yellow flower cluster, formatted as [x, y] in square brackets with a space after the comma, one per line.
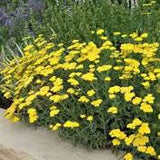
[117, 133]
[128, 156]
[32, 115]
[113, 110]
[86, 86]
[138, 140]
[70, 124]
[54, 111]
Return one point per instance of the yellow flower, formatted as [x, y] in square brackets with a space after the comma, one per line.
[129, 140]
[80, 66]
[91, 66]
[107, 79]
[128, 156]
[30, 98]
[116, 33]
[56, 126]
[103, 38]
[128, 96]
[138, 39]
[146, 84]
[71, 124]
[90, 93]
[104, 68]
[75, 41]
[131, 126]
[92, 32]
[7, 95]
[144, 35]
[64, 96]
[38, 81]
[70, 90]
[55, 98]
[133, 35]
[150, 150]
[73, 82]
[73, 74]
[100, 31]
[53, 107]
[149, 98]
[82, 115]
[60, 45]
[146, 107]
[83, 99]
[44, 90]
[28, 47]
[117, 133]
[15, 119]
[57, 88]
[48, 94]
[124, 35]
[112, 96]
[136, 100]
[113, 110]
[142, 149]
[54, 112]
[31, 92]
[91, 69]
[144, 129]
[97, 102]
[58, 82]
[88, 77]
[32, 115]
[90, 118]
[126, 89]
[137, 122]
[114, 89]
[140, 140]
[116, 142]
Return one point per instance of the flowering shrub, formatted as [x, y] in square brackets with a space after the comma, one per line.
[96, 94]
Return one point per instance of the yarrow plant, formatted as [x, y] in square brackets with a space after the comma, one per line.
[96, 94]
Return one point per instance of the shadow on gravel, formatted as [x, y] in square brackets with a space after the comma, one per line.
[11, 154]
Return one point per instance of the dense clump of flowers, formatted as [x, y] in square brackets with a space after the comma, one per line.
[91, 93]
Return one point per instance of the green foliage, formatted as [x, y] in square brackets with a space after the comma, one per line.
[72, 20]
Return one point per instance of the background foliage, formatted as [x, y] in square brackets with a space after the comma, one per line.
[70, 19]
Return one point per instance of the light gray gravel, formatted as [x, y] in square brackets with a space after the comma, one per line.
[44, 145]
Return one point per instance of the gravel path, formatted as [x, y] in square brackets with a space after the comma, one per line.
[10, 154]
[42, 144]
